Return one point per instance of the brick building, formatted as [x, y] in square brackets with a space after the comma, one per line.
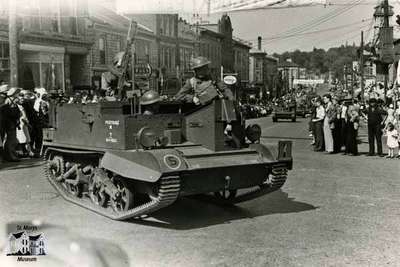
[108, 32]
[165, 47]
[47, 41]
[68, 44]
[257, 71]
[187, 41]
[241, 53]
[271, 69]
[210, 46]
[227, 51]
[289, 71]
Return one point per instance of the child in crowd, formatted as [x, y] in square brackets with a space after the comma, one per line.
[392, 139]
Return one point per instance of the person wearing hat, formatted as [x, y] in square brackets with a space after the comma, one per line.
[201, 89]
[39, 119]
[11, 118]
[318, 125]
[375, 126]
[150, 102]
[23, 132]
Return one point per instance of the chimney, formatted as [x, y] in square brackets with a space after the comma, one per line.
[259, 42]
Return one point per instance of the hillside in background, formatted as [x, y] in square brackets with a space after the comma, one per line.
[321, 61]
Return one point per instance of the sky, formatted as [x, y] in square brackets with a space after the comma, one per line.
[285, 29]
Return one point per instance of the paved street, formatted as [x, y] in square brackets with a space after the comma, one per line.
[334, 210]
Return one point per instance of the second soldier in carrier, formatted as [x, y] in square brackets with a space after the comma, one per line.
[201, 88]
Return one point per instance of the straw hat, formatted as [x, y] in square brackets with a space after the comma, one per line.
[28, 95]
[40, 91]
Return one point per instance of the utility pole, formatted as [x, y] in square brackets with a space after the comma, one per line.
[345, 77]
[13, 40]
[386, 26]
[362, 66]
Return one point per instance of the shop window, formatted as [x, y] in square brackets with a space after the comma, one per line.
[4, 56]
[102, 51]
[52, 76]
[171, 27]
[166, 56]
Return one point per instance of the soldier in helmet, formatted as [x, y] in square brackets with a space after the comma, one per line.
[150, 102]
[201, 89]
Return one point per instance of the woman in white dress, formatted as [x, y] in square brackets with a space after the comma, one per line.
[329, 110]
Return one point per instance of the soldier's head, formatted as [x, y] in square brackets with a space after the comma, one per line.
[150, 102]
[200, 66]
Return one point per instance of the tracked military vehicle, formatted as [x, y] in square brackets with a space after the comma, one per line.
[113, 159]
[124, 164]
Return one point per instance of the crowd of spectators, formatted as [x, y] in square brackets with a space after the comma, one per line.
[336, 120]
[23, 115]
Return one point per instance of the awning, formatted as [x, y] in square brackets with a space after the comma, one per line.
[42, 48]
[76, 50]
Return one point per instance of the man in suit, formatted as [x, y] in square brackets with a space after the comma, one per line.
[375, 120]
[11, 115]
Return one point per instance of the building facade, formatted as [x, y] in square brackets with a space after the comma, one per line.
[271, 73]
[241, 52]
[47, 40]
[210, 46]
[289, 71]
[257, 71]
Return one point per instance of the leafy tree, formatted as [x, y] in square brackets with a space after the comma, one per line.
[321, 62]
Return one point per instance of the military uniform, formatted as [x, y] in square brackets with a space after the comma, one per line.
[201, 89]
[205, 90]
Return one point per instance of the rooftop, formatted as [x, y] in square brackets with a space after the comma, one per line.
[105, 15]
[34, 237]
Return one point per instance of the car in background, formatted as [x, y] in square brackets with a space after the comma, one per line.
[285, 112]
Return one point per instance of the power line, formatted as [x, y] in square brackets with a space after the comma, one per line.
[334, 38]
[266, 38]
[318, 21]
[243, 6]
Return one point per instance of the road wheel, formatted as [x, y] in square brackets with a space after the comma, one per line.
[274, 119]
[75, 190]
[123, 200]
[96, 192]
[56, 167]
[293, 119]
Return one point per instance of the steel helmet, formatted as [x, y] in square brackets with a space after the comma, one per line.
[199, 62]
[150, 97]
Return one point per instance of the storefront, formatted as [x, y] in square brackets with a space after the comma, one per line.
[42, 66]
[4, 61]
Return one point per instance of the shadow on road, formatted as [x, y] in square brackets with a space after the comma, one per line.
[23, 164]
[192, 213]
[286, 137]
